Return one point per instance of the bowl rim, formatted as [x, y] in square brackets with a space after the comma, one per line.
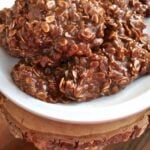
[142, 104]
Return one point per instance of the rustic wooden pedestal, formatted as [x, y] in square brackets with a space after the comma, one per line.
[51, 135]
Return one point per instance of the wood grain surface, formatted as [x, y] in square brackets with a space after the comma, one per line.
[8, 142]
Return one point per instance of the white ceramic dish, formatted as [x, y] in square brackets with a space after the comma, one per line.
[133, 99]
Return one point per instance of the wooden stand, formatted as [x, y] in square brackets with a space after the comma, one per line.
[47, 134]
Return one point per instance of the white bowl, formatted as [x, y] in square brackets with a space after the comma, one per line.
[133, 99]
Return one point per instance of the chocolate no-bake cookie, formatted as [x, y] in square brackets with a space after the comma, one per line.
[105, 72]
[61, 28]
[55, 27]
[54, 30]
[76, 50]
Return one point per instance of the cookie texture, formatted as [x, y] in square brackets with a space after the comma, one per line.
[76, 50]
